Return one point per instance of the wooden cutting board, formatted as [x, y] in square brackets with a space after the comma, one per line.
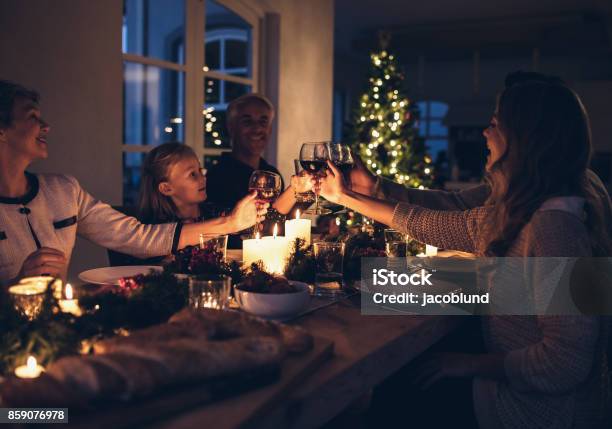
[224, 403]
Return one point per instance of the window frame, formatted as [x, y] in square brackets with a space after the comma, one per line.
[195, 71]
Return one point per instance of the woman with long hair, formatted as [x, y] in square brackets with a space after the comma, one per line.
[539, 370]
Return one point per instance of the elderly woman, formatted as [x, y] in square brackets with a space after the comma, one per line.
[539, 370]
[41, 214]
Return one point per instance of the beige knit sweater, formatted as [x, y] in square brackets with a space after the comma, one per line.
[56, 210]
[555, 365]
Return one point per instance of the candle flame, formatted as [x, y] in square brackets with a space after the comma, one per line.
[257, 236]
[297, 214]
[31, 363]
[275, 230]
[68, 291]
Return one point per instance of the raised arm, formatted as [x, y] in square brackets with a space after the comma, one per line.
[107, 227]
[457, 230]
[364, 182]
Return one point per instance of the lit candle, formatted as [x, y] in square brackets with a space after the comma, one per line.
[28, 298]
[275, 251]
[298, 228]
[30, 370]
[44, 281]
[251, 249]
[69, 304]
[431, 250]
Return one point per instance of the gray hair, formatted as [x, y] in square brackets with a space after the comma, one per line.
[236, 105]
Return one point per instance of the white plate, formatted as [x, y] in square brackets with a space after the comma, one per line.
[112, 275]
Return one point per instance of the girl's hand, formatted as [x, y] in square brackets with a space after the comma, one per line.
[247, 212]
[332, 186]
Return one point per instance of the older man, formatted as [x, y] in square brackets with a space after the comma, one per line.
[249, 120]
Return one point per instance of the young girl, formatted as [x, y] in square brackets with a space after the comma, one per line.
[539, 370]
[173, 189]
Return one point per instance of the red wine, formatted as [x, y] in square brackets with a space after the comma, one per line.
[266, 194]
[312, 165]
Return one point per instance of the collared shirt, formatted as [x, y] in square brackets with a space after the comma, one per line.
[228, 181]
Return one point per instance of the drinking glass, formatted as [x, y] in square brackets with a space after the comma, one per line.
[267, 185]
[215, 242]
[204, 293]
[303, 182]
[342, 157]
[396, 244]
[329, 261]
[313, 158]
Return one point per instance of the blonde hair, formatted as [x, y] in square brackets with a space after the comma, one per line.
[244, 100]
[154, 207]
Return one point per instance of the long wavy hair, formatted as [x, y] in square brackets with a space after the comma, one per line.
[548, 152]
[155, 207]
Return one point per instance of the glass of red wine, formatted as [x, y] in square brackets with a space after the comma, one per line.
[313, 159]
[267, 185]
[342, 157]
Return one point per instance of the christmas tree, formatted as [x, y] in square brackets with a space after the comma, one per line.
[384, 130]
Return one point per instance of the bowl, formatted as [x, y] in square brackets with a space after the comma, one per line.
[274, 305]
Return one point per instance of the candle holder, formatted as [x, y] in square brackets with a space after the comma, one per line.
[215, 242]
[28, 299]
[329, 268]
[205, 293]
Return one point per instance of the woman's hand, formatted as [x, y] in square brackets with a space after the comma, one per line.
[332, 186]
[445, 365]
[362, 180]
[44, 261]
[247, 212]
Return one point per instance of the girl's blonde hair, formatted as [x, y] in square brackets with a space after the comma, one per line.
[154, 207]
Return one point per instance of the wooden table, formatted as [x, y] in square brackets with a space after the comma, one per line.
[368, 349]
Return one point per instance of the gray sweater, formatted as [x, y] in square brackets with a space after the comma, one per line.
[555, 366]
[56, 209]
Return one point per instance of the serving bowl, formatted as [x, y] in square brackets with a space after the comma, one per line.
[274, 305]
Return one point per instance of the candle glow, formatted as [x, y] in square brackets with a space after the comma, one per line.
[30, 370]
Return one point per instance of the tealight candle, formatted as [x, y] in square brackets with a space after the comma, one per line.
[28, 298]
[69, 304]
[431, 250]
[45, 280]
[298, 228]
[30, 370]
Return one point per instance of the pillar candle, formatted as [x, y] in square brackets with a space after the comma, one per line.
[298, 228]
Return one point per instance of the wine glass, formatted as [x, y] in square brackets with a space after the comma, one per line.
[313, 158]
[267, 185]
[342, 157]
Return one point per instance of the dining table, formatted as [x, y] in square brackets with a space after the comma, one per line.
[366, 351]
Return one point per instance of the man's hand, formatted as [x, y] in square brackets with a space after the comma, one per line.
[44, 261]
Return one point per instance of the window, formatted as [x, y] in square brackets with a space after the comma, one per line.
[184, 61]
[432, 128]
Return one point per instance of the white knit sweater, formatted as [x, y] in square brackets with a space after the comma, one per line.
[56, 209]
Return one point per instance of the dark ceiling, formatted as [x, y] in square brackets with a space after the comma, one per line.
[454, 29]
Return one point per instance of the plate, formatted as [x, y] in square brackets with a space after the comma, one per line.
[112, 275]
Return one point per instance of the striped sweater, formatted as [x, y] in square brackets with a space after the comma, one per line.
[56, 209]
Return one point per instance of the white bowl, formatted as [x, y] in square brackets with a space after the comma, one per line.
[274, 305]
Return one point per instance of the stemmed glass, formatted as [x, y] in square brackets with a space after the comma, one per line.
[313, 159]
[342, 157]
[267, 185]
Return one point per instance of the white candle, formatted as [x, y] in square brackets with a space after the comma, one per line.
[69, 304]
[251, 250]
[431, 250]
[298, 228]
[272, 251]
[30, 370]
